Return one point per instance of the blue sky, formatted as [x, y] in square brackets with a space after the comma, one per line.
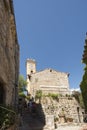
[53, 33]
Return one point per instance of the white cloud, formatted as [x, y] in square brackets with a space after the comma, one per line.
[75, 89]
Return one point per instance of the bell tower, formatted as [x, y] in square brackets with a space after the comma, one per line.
[30, 66]
[30, 69]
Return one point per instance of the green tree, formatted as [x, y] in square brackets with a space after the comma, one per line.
[83, 85]
[78, 97]
[22, 83]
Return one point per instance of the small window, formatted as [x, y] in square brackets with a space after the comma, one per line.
[29, 76]
[31, 71]
[50, 70]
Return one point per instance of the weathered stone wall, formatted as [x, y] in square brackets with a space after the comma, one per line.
[9, 52]
[49, 81]
[65, 106]
[62, 111]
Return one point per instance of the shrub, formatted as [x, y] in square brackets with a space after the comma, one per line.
[38, 94]
[7, 117]
[21, 94]
[54, 96]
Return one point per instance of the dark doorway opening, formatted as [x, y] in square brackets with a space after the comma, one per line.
[2, 93]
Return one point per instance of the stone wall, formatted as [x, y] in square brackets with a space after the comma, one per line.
[49, 81]
[62, 111]
[9, 53]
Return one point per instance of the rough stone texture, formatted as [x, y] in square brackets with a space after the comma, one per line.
[74, 126]
[63, 111]
[49, 122]
[48, 80]
[9, 53]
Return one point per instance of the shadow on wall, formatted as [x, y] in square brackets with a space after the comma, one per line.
[32, 115]
[2, 94]
[40, 114]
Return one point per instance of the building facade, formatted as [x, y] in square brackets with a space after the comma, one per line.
[48, 80]
[9, 54]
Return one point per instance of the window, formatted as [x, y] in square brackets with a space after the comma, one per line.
[50, 70]
[29, 77]
[31, 71]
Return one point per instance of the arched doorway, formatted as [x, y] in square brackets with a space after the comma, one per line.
[2, 94]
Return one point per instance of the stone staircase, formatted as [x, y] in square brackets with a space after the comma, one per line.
[30, 122]
[40, 113]
[44, 119]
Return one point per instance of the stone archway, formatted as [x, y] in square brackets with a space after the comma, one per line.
[2, 94]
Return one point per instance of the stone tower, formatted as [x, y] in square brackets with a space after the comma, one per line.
[30, 69]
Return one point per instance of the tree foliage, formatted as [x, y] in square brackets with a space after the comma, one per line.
[22, 83]
[78, 97]
[83, 85]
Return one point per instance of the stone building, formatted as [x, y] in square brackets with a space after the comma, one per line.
[9, 54]
[48, 80]
[65, 108]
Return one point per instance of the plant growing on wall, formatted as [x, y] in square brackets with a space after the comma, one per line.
[38, 95]
[54, 96]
